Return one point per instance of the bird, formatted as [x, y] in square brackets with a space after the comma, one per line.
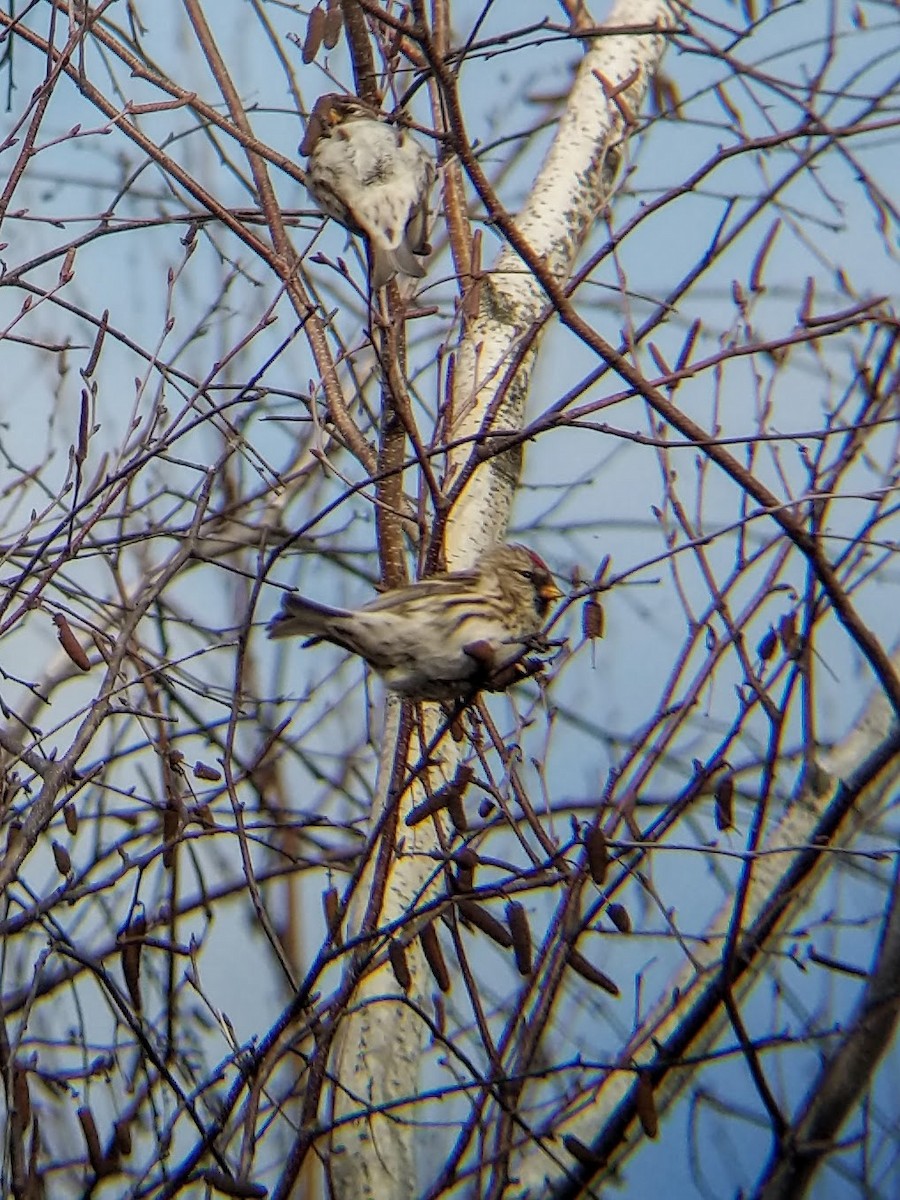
[372, 178]
[443, 637]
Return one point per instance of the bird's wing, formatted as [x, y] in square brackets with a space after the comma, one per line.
[437, 586]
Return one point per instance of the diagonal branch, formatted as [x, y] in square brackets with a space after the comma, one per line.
[846, 1074]
[690, 1017]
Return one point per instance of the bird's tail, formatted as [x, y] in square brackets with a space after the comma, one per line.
[300, 617]
[387, 261]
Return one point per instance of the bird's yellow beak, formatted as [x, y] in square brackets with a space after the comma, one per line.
[549, 592]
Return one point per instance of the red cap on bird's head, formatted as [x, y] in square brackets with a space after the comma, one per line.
[542, 579]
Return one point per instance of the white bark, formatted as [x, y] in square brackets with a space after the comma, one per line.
[574, 184]
[381, 1043]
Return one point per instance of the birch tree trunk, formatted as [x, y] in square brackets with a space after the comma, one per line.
[381, 1040]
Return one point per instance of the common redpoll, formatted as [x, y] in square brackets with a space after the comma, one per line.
[372, 178]
[442, 637]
